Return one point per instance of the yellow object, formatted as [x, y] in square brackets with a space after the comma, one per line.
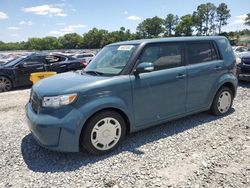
[35, 77]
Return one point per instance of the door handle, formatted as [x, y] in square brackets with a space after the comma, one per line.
[217, 68]
[181, 76]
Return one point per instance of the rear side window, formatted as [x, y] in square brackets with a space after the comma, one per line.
[55, 59]
[201, 52]
[163, 56]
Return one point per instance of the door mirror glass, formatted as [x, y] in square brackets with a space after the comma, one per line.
[144, 67]
[22, 65]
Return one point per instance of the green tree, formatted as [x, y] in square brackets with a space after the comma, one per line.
[222, 15]
[34, 44]
[185, 26]
[71, 41]
[95, 38]
[170, 22]
[51, 43]
[204, 18]
[151, 27]
[197, 18]
[247, 20]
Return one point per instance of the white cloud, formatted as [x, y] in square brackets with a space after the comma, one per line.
[125, 12]
[136, 18]
[50, 10]
[240, 19]
[13, 28]
[236, 24]
[28, 23]
[72, 28]
[3, 16]
[54, 32]
[67, 29]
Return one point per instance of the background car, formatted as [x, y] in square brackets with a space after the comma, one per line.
[16, 73]
[240, 50]
[85, 57]
[243, 67]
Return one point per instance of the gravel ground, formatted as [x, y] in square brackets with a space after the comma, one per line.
[196, 151]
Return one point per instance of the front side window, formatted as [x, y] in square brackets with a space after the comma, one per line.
[201, 52]
[111, 59]
[163, 56]
[33, 60]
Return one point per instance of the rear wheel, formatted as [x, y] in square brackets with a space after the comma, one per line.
[5, 84]
[222, 102]
[103, 132]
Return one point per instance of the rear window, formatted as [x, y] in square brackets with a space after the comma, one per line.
[201, 52]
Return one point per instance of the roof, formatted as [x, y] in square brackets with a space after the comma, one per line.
[169, 39]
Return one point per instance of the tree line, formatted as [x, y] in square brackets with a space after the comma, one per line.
[207, 19]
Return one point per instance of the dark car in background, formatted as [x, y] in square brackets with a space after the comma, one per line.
[243, 67]
[85, 57]
[17, 72]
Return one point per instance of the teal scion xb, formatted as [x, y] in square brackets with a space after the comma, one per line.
[130, 86]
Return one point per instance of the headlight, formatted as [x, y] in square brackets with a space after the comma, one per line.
[238, 60]
[57, 101]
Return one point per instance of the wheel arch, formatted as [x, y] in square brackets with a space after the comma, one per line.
[118, 110]
[230, 86]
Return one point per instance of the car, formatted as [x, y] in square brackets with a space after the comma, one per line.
[243, 67]
[240, 50]
[131, 86]
[86, 57]
[16, 73]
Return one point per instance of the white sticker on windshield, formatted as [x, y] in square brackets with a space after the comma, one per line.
[125, 48]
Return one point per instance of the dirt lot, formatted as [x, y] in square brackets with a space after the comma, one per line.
[196, 151]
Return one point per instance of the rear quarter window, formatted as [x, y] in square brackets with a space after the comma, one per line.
[201, 52]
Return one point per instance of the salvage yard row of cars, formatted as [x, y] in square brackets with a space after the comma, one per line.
[16, 72]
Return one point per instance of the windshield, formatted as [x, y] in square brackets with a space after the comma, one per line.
[14, 61]
[111, 60]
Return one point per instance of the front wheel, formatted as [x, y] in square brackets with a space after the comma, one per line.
[103, 132]
[222, 102]
[5, 84]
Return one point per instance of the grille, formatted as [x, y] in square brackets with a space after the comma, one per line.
[246, 61]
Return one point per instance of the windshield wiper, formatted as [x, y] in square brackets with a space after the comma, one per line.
[94, 72]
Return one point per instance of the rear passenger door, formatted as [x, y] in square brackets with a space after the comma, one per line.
[160, 94]
[204, 68]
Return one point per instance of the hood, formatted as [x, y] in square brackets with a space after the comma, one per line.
[246, 55]
[71, 82]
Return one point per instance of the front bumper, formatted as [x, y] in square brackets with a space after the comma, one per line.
[243, 73]
[59, 134]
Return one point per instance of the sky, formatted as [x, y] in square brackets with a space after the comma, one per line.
[23, 19]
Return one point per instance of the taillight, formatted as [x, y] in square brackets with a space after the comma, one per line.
[84, 63]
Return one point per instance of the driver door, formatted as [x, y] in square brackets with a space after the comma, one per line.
[160, 94]
[27, 66]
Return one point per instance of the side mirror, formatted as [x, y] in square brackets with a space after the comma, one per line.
[144, 67]
[22, 65]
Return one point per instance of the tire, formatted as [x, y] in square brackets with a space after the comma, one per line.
[222, 102]
[5, 84]
[103, 132]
